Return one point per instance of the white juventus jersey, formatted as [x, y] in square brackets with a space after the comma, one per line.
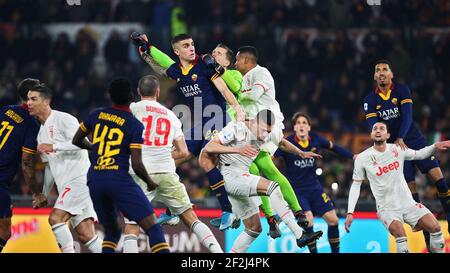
[162, 127]
[68, 162]
[258, 93]
[384, 170]
[237, 134]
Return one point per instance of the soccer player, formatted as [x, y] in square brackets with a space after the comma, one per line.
[117, 134]
[68, 166]
[256, 91]
[392, 103]
[203, 89]
[302, 175]
[382, 165]
[18, 131]
[162, 133]
[237, 145]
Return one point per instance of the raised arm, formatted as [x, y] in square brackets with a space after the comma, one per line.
[160, 70]
[427, 151]
[229, 97]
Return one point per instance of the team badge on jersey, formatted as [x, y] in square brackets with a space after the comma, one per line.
[394, 101]
[194, 77]
[373, 160]
[395, 152]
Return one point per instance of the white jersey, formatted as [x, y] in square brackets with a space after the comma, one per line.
[68, 163]
[258, 93]
[162, 127]
[384, 170]
[237, 134]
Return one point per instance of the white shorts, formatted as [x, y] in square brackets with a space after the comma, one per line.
[170, 191]
[241, 188]
[410, 216]
[75, 199]
[277, 134]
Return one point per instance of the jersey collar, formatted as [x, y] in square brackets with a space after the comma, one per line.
[380, 93]
[302, 144]
[121, 108]
[185, 71]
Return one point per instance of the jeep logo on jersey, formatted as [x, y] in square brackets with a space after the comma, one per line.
[389, 114]
[388, 168]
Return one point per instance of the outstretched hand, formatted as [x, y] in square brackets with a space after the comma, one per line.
[443, 145]
[310, 155]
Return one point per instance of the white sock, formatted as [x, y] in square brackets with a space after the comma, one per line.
[206, 237]
[282, 209]
[437, 242]
[94, 245]
[130, 244]
[64, 237]
[243, 241]
[402, 245]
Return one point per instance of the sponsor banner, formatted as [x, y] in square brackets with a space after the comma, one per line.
[366, 236]
[32, 233]
[416, 241]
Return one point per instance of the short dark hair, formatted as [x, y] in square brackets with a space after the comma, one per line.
[44, 91]
[229, 54]
[120, 91]
[383, 122]
[180, 37]
[25, 85]
[266, 116]
[382, 62]
[250, 50]
[148, 85]
[300, 114]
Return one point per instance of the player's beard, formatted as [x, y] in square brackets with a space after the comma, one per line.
[379, 142]
[382, 84]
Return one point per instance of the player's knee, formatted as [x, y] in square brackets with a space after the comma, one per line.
[254, 231]
[54, 219]
[131, 229]
[435, 227]
[333, 221]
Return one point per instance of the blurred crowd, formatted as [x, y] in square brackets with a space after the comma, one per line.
[321, 54]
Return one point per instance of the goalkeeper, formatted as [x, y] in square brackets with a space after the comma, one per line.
[251, 101]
